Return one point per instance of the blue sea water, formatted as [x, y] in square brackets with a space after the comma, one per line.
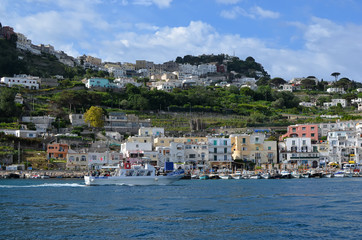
[189, 209]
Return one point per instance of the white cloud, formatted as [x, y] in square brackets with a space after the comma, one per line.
[158, 3]
[258, 11]
[228, 1]
[235, 12]
[253, 13]
[328, 47]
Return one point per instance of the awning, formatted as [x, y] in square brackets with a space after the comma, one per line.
[351, 162]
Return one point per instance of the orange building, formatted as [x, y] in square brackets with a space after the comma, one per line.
[57, 150]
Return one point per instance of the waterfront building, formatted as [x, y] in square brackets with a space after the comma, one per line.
[255, 148]
[77, 160]
[219, 150]
[98, 159]
[304, 130]
[57, 151]
[296, 152]
[344, 146]
[324, 128]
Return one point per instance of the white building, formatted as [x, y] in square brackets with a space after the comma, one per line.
[220, 152]
[307, 104]
[28, 82]
[20, 133]
[344, 146]
[299, 151]
[335, 102]
[336, 90]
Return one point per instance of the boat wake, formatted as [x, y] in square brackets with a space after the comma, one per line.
[44, 185]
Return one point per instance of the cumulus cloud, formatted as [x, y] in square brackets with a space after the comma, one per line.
[328, 47]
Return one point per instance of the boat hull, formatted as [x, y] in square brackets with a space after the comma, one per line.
[141, 180]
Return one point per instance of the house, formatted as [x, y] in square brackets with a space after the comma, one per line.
[28, 82]
[42, 123]
[344, 146]
[76, 119]
[335, 103]
[77, 160]
[287, 88]
[125, 123]
[57, 151]
[336, 90]
[151, 131]
[308, 104]
[21, 133]
[304, 130]
[98, 82]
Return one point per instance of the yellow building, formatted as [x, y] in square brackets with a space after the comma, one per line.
[254, 148]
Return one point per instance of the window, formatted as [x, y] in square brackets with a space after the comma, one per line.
[215, 150]
[244, 140]
[225, 150]
[294, 129]
[215, 158]
[192, 156]
[257, 148]
[269, 148]
[244, 149]
[303, 135]
[225, 157]
[215, 142]
[304, 142]
[312, 135]
[256, 140]
[293, 142]
[225, 142]
[303, 128]
[312, 128]
[71, 158]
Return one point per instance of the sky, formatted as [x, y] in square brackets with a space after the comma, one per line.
[290, 38]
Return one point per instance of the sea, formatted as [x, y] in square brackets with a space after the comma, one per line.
[189, 209]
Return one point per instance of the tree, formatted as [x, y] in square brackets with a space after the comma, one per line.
[335, 74]
[308, 83]
[94, 116]
[277, 81]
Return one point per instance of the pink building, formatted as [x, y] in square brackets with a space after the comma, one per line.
[308, 130]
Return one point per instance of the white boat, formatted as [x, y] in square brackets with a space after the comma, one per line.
[296, 174]
[266, 176]
[285, 174]
[339, 174]
[236, 175]
[135, 175]
[256, 176]
[224, 176]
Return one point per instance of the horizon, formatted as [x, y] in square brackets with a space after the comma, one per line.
[289, 39]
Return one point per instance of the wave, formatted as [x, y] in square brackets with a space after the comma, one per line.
[44, 185]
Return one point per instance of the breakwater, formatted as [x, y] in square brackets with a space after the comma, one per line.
[42, 174]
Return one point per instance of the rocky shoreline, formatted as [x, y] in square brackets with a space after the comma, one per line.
[42, 174]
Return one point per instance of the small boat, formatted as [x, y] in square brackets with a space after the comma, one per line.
[266, 176]
[305, 175]
[285, 174]
[144, 174]
[256, 176]
[296, 174]
[339, 174]
[236, 175]
[224, 176]
[204, 177]
[44, 177]
[328, 175]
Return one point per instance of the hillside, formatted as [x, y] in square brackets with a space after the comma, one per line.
[14, 61]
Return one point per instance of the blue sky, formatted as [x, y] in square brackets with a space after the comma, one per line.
[290, 38]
